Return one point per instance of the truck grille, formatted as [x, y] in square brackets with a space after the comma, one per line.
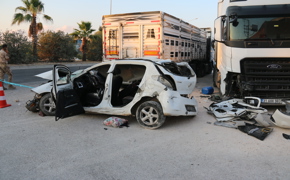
[266, 77]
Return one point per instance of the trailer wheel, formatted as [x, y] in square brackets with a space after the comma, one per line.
[150, 115]
[46, 105]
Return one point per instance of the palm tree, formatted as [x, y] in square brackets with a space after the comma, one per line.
[85, 33]
[30, 10]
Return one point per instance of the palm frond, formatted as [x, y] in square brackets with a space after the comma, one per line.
[18, 18]
[21, 8]
[47, 18]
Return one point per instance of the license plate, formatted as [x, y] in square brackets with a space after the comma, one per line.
[272, 101]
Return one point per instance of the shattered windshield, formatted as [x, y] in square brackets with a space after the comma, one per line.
[260, 28]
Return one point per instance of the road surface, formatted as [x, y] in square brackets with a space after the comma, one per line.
[184, 148]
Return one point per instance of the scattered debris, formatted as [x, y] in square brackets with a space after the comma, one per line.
[286, 136]
[241, 114]
[40, 113]
[234, 109]
[256, 131]
[281, 119]
[232, 124]
[215, 98]
[116, 122]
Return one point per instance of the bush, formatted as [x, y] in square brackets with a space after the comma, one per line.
[56, 46]
[20, 49]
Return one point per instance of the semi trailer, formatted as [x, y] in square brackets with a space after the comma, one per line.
[252, 49]
[156, 35]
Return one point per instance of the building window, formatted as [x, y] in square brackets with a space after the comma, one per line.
[176, 54]
[176, 43]
[182, 44]
[171, 54]
[172, 43]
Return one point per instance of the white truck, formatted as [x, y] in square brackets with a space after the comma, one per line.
[252, 49]
[156, 35]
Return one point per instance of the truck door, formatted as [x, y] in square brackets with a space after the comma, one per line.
[66, 99]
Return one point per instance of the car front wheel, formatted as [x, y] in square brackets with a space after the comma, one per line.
[46, 105]
[150, 115]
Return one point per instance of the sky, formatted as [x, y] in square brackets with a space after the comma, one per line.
[67, 13]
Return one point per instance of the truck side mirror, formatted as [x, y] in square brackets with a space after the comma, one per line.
[218, 29]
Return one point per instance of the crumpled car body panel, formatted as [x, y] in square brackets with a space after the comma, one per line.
[234, 109]
[281, 119]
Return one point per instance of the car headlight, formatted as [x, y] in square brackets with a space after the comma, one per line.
[165, 82]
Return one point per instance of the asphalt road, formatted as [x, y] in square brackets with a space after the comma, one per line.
[81, 147]
[26, 74]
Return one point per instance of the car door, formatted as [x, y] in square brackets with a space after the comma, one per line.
[66, 99]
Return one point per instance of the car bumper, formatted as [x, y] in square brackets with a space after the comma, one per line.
[175, 105]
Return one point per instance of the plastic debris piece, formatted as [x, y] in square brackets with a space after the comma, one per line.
[286, 136]
[116, 122]
[226, 124]
[281, 119]
[256, 131]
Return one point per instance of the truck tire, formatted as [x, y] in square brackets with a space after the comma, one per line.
[46, 105]
[150, 115]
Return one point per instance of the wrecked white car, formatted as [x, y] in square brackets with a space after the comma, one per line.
[150, 90]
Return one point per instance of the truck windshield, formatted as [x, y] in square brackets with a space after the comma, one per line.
[260, 28]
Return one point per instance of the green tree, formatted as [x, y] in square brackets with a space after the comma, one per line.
[56, 46]
[85, 34]
[30, 11]
[20, 49]
[95, 50]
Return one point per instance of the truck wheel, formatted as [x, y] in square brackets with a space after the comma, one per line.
[150, 115]
[46, 105]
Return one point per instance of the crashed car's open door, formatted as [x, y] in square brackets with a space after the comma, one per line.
[66, 99]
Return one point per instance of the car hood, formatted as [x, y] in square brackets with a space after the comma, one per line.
[45, 75]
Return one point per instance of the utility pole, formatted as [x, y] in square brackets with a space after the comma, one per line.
[111, 7]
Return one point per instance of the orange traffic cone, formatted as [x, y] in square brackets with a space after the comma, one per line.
[3, 103]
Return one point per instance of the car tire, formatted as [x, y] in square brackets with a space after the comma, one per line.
[47, 105]
[150, 115]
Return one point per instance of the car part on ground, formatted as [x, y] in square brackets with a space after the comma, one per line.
[235, 109]
[281, 119]
[256, 131]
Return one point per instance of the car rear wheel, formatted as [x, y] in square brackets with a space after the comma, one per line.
[46, 105]
[150, 115]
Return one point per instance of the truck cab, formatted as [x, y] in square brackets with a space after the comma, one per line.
[252, 49]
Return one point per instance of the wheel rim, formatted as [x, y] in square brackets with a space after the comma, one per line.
[149, 115]
[49, 105]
